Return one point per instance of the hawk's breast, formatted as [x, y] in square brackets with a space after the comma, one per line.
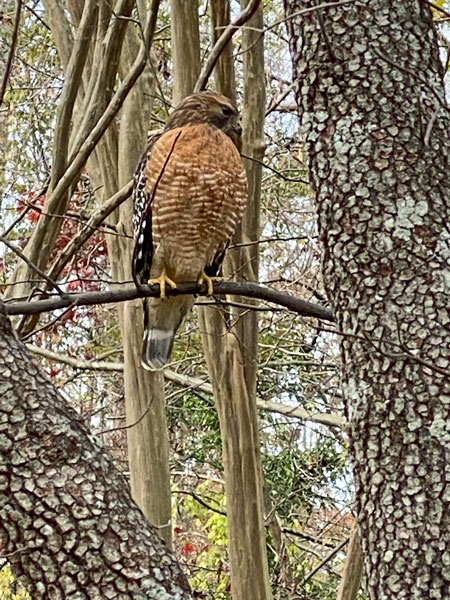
[199, 192]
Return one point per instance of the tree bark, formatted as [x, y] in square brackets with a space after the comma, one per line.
[375, 123]
[185, 37]
[68, 525]
[353, 568]
[231, 354]
[148, 438]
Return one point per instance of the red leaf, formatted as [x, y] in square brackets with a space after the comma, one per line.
[188, 548]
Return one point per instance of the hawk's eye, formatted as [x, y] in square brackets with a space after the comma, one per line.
[227, 111]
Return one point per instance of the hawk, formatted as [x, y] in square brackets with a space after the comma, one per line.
[190, 193]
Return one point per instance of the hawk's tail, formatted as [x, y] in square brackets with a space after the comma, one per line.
[162, 319]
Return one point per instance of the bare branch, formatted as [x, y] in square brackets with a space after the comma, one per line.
[248, 289]
[328, 419]
[327, 559]
[197, 383]
[33, 267]
[89, 228]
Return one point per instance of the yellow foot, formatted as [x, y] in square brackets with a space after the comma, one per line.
[162, 281]
[204, 278]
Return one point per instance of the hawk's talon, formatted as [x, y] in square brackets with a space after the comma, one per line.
[162, 281]
[204, 278]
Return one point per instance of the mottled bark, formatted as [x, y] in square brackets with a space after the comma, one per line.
[68, 525]
[371, 98]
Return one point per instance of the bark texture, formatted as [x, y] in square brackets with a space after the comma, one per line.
[185, 37]
[375, 124]
[68, 525]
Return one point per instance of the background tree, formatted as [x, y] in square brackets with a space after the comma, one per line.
[376, 124]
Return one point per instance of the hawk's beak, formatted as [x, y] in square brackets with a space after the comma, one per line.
[237, 129]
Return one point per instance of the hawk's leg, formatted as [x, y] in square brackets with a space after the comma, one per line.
[204, 278]
[162, 281]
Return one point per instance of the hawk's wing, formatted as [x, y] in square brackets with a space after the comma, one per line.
[142, 217]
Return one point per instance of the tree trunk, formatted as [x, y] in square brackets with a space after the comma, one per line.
[148, 439]
[231, 355]
[353, 567]
[68, 525]
[371, 98]
[185, 37]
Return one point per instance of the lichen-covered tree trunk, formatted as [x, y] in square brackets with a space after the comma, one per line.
[68, 525]
[376, 128]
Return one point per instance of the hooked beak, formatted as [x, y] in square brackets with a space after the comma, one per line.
[237, 129]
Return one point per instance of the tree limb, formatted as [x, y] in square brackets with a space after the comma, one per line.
[248, 289]
[328, 419]
[65, 508]
[71, 84]
[12, 49]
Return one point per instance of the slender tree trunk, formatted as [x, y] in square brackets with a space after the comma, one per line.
[185, 37]
[68, 525]
[353, 568]
[148, 439]
[371, 97]
[231, 355]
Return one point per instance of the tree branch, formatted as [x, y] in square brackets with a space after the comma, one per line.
[71, 84]
[112, 109]
[248, 289]
[328, 419]
[89, 228]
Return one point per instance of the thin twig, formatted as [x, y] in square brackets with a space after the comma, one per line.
[300, 13]
[266, 166]
[327, 558]
[90, 228]
[415, 76]
[439, 8]
[35, 268]
[131, 425]
[25, 211]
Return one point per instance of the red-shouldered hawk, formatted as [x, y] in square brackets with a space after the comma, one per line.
[190, 193]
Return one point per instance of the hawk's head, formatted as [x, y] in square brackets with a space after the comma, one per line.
[207, 107]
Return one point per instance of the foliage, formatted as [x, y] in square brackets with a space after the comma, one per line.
[9, 589]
